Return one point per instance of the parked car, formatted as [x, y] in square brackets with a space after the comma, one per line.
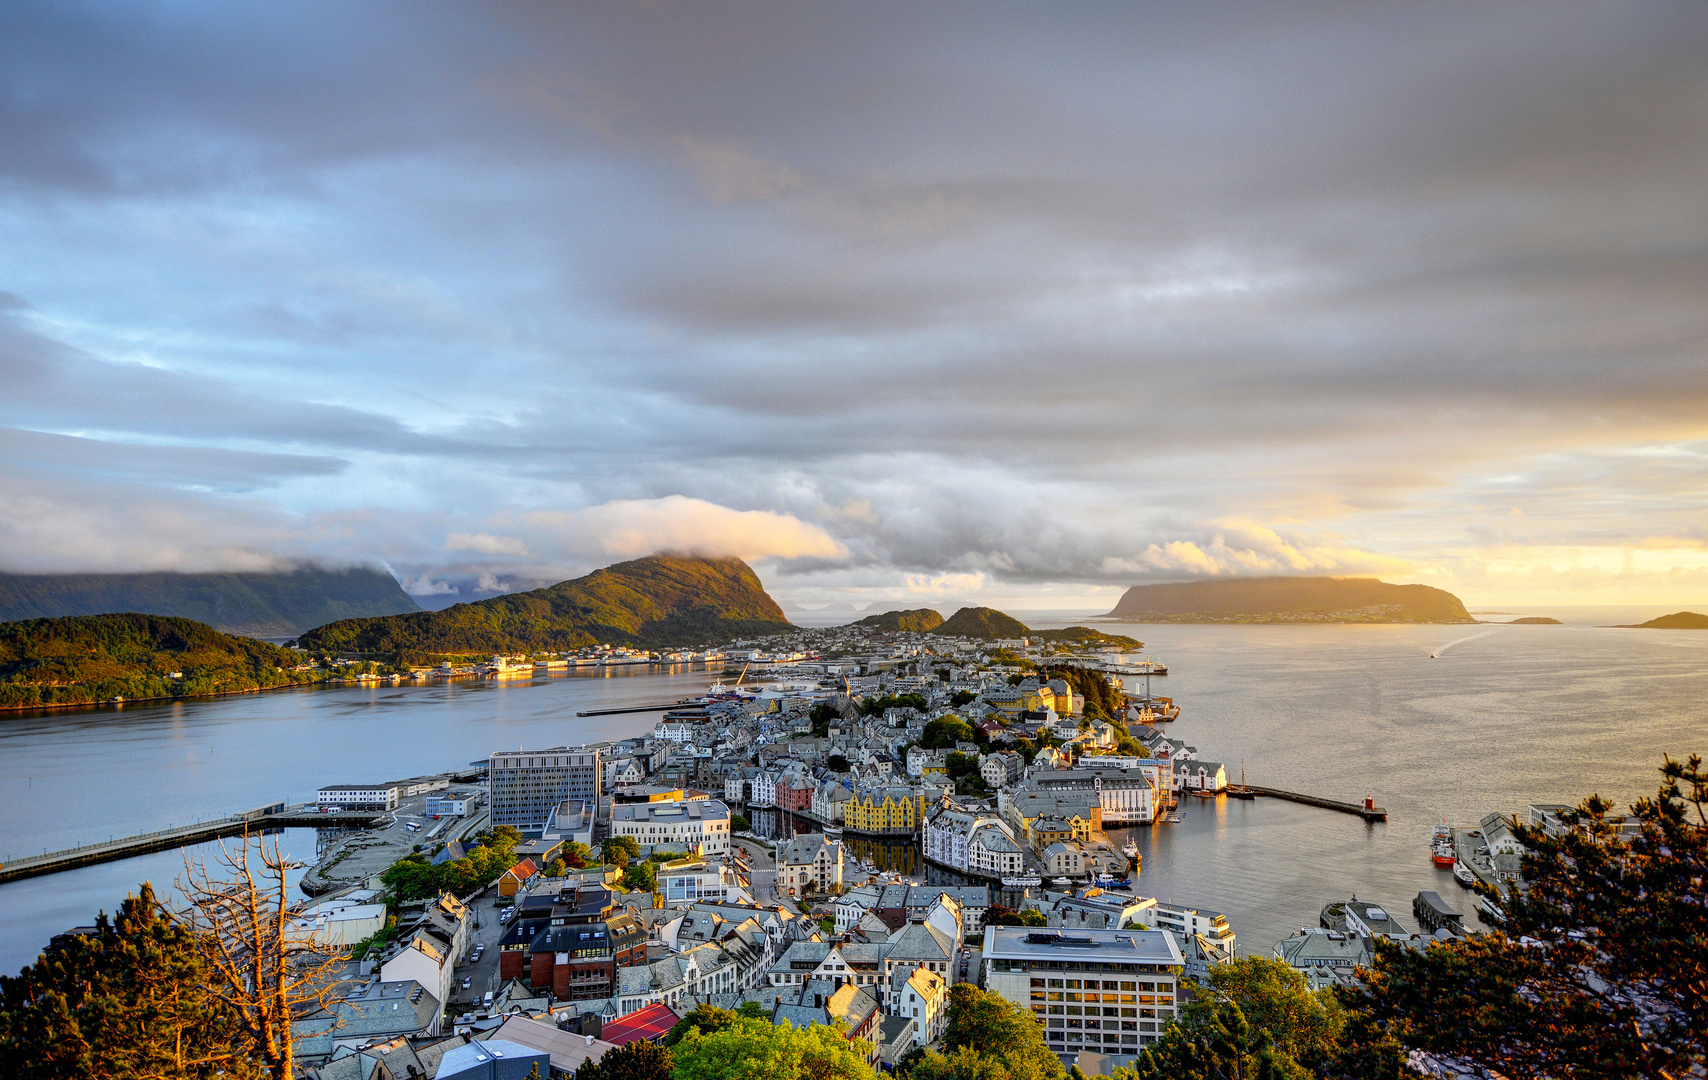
[467, 982]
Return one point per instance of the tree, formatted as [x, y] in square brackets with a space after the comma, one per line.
[754, 1050]
[577, 855]
[1256, 1018]
[997, 915]
[962, 697]
[639, 1060]
[264, 974]
[988, 1026]
[739, 823]
[128, 1001]
[1601, 967]
[619, 850]
[1219, 1044]
[1275, 999]
[706, 1018]
[960, 764]
[640, 876]
[822, 716]
[945, 731]
[558, 868]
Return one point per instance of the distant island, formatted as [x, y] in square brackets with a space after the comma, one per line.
[1534, 620]
[87, 659]
[1678, 620]
[990, 624]
[252, 604]
[658, 601]
[911, 621]
[1289, 600]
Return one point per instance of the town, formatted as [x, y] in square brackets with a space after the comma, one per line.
[838, 841]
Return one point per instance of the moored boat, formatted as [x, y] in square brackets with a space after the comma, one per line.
[1462, 874]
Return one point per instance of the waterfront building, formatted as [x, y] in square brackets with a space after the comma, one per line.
[809, 858]
[1063, 860]
[882, 810]
[699, 827]
[1125, 795]
[1324, 957]
[441, 806]
[1202, 776]
[378, 797]
[971, 841]
[1109, 991]
[525, 786]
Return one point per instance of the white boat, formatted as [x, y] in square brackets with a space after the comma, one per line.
[1463, 875]
[1130, 850]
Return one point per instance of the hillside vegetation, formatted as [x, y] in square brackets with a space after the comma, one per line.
[1678, 620]
[982, 622]
[257, 605]
[911, 621]
[658, 601]
[93, 658]
[1086, 635]
[1290, 599]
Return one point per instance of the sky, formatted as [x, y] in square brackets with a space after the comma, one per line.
[913, 303]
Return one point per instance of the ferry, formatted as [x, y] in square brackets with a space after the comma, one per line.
[1441, 846]
[1131, 851]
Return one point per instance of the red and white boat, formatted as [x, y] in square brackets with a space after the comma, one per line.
[1441, 847]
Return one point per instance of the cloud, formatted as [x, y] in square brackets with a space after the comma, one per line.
[487, 544]
[632, 527]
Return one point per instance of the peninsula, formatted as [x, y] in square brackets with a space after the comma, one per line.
[86, 659]
[253, 604]
[1678, 620]
[984, 623]
[657, 601]
[1289, 600]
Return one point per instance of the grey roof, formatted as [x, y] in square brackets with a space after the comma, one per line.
[1108, 946]
[567, 1050]
[496, 1059]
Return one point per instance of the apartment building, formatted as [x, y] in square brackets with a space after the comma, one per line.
[525, 786]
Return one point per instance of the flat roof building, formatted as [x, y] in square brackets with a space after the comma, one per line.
[526, 786]
[694, 827]
[1109, 991]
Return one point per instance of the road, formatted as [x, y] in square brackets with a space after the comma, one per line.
[763, 875]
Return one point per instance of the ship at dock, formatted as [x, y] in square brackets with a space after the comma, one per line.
[1441, 846]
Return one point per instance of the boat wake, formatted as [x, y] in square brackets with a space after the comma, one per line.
[1461, 641]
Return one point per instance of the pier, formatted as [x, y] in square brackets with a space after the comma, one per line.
[124, 847]
[1367, 812]
[636, 708]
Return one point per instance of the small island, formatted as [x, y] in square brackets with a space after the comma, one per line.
[1534, 620]
[1678, 620]
[1289, 600]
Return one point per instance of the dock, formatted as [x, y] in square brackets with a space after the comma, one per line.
[636, 708]
[1367, 812]
[178, 836]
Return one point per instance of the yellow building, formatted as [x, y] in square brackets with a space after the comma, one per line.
[879, 810]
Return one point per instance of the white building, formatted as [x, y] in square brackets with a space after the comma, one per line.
[922, 996]
[971, 841]
[1109, 991]
[701, 827]
[359, 796]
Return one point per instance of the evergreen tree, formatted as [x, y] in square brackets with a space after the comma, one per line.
[639, 1060]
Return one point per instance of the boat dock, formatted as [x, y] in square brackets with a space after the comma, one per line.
[636, 708]
[178, 836]
[1365, 810]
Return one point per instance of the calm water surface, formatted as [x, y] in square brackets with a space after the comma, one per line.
[1503, 717]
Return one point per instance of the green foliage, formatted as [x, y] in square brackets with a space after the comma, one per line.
[256, 604]
[822, 716]
[578, 855]
[945, 731]
[376, 941]
[639, 1060]
[1087, 636]
[1605, 922]
[752, 1010]
[128, 1001]
[997, 915]
[962, 697]
[747, 1049]
[911, 621]
[640, 875]
[1219, 1042]
[982, 622]
[414, 878]
[1271, 599]
[739, 823]
[1127, 745]
[619, 850]
[1095, 687]
[657, 601]
[1275, 1000]
[960, 764]
[985, 1029]
[876, 706]
[705, 1017]
[557, 868]
[93, 658]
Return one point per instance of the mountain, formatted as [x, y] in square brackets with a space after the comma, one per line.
[92, 658]
[657, 601]
[1678, 620]
[912, 621]
[1290, 599]
[258, 605]
[982, 622]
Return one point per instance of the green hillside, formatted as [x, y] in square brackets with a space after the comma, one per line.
[1290, 599]
[1678, 620]
[93, 658]
[982, 622]
[911, 621]
[657, 601]
[1088, 636]
[257, 605]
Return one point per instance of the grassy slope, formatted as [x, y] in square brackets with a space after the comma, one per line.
[1256, 599]
[911, 621]
[92, 658]
[982, 622]
[1678, 620]
[271, 605]
[657, 601]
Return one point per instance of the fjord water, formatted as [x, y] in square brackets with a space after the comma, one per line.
[1504, 716]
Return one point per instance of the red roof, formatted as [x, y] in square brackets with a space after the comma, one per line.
[523, 870]
[651, 1022]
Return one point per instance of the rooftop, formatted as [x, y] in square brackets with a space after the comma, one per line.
[1105, 946]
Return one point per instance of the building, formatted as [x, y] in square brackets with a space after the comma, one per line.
[809, 858]
[1001, 768]
[971, 841]
[524, 787]
[700, 827]
[378, 797]
[512, 880]
[342, 920]
[364, 1012]
[1126, 795]
[922, 996]
[884, 811]
[428, 946]
[687, 882]
[493, 1059]
[1324, 957]
[1109, 991]
[442, 806]
[1063, 860]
